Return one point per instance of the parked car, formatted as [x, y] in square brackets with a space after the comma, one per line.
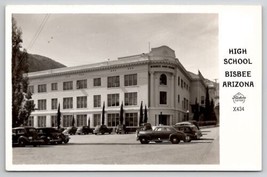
[84, 130]
[70, 130]
[102, 129]
[25, 136]
[121, 129]
[50, 135]
[191, 131]
[188, 123]
[159, 134]
[144, 127]
[64, 137]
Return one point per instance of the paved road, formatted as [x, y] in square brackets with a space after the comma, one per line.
[122, 149]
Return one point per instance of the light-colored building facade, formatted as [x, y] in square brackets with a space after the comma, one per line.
[157, 79]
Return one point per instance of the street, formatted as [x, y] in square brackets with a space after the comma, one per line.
[122, 149]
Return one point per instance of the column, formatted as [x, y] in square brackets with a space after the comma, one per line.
[172, 92]
[152, 87]
[35, 121]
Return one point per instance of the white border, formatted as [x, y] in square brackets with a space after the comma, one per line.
[229, 148]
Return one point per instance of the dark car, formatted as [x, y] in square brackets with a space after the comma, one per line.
[191, 131]
[144, 127]
[70, 130]
[84, 130]
[121, 129]
[159, 134]
[50, 135]
[25, 136]
[102, 129]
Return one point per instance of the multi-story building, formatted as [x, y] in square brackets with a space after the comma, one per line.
[157, 79]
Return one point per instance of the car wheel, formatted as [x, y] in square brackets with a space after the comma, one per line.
[187, 138]
[175, 140]
[95, 133]
[22, 142]
[144, 141]
[66, 141]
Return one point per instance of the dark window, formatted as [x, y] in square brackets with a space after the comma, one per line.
[130, 79]
[41, 88]
[97, 81]
[42, 104]
[113, 99]
[130, 98]
[178, 98]
[68, 85]
[54, 86]
[68, 103]
[96, 119]
[81, 84]
[114, 81]
[82, 102]
[163, 79]
[97, 101]
[163, 97]
[54, 103]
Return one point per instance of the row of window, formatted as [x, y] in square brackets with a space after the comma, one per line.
[183, 84]
[113, 100]
[185, 103]
[81, 120]
[112, 81]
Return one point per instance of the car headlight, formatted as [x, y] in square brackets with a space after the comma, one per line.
[30, 138]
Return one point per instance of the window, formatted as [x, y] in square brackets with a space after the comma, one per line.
[31, 88]
[81, 120]
[202, 99]
[113, 99]
[130, 79]
[41, 88]
[97, 82]
[131, 119]
[184, 106]
[178, 98]
[41, 104]
[114, 81]
[182, 83]
[67, 120]
[97, 101]
[163, 98]
[54, 121]
[163, 79]
[178, 80]
[96, 119]
[68, 85]
[54, 86]
[30, 121]
[82, 102]
[81, 84]
[41, 121]
[68, 103]
[54, 103]
[130, 98]
[113, 120]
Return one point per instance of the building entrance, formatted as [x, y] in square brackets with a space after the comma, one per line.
[164, 119]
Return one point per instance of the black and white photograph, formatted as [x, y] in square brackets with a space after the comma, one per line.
[116, 89]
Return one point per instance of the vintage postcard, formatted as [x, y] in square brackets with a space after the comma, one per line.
[133, 88]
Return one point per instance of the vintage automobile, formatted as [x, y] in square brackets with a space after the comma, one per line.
[121, 129]
[50, 135]
[160, 134]
[188, 123]
[144, 127]
[22, 136]
[70, 130]
[84, 130]
[191, 131]
[102, 129]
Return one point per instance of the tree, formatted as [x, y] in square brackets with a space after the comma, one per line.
[141, 114]
[21, 104]
[207, 105]
[27, 108]
[196, 111]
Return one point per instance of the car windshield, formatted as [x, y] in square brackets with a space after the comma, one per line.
[31, 130]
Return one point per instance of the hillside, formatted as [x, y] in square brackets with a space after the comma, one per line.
[39, 63]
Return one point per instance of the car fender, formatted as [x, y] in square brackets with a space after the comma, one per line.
[24, 138]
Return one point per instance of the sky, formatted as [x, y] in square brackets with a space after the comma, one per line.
[79, 39]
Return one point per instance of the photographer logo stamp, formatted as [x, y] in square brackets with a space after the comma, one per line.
[239, 97]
